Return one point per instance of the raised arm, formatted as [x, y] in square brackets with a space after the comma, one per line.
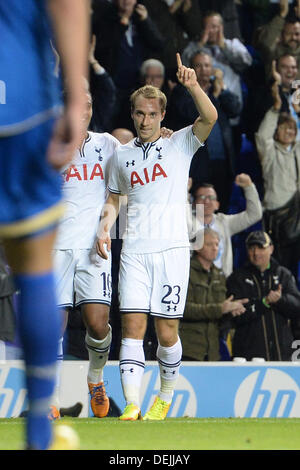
[253, 211]
[264, 137]
[207, 112]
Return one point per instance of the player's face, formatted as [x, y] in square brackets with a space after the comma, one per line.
[259, 256]
[147, 117]
[210, 248]
[207, 197]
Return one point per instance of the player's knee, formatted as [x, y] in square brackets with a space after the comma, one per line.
[134, 326]
[167, 332]
[167, 340]
[97, 331]
[96, 319]
[97, 326]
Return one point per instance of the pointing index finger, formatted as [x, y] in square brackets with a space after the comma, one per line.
[179, 63]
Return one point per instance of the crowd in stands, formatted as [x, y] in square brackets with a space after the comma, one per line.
[246, 55]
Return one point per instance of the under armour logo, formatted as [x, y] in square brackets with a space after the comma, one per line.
[172, 308]
[106, 293]
[130, 163]
[169, 371]
[100, 158]
[158, 149]
[127, 370]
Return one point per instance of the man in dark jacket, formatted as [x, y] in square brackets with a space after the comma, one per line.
[264, 329]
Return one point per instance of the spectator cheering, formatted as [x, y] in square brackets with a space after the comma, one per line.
[280, 36]
[227, 225]
[280, 159]
[230, 55]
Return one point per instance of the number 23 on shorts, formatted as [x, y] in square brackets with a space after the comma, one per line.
[171, 297]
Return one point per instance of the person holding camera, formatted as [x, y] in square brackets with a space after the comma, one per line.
[230, 55]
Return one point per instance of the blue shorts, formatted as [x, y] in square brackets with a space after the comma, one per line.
[30, 189]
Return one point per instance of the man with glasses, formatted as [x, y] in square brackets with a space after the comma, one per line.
[227, 225]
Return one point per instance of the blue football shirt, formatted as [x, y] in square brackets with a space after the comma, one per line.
[29, 90]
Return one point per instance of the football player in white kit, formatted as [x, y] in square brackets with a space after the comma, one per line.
[83, 278]
[154, 264]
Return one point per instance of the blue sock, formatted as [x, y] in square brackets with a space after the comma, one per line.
[40, 326]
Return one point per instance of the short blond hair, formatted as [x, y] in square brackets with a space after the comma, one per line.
[149, 92]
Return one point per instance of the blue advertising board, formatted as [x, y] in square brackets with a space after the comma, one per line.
[203, 390]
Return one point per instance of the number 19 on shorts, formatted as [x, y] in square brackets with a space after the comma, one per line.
[106, 284]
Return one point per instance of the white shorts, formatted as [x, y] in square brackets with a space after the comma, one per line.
[81, 277]
[154, 283]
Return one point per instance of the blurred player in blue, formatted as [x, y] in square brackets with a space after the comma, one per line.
[37, 137]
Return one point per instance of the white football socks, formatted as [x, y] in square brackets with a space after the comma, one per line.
[98, 355]
[132, 365]
[55, 397]
[169, 359]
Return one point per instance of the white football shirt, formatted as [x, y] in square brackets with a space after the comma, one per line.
[84, 191]
[154, 176]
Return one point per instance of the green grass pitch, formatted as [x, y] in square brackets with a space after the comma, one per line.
[171, 434]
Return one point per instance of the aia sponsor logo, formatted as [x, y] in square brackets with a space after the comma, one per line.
[147, 175]
[83, 172]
